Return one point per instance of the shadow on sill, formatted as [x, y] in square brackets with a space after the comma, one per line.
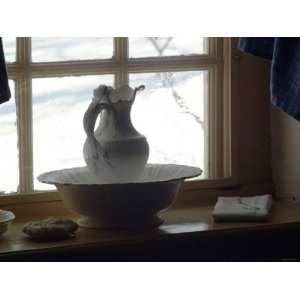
[269, 245]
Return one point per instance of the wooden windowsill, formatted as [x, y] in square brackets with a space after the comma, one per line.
[193, 223]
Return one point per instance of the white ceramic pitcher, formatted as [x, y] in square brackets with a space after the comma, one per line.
[115, 151]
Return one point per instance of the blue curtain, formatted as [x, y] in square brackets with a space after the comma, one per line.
[4, 88]
[284, 53]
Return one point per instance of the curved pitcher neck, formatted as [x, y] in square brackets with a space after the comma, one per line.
[117, 120]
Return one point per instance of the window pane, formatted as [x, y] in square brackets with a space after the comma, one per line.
[9, 176]
[58, 108]
[170, 113]
[66, 49]
[166, 46]
[9, 46]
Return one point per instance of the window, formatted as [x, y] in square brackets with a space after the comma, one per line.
[181, 112]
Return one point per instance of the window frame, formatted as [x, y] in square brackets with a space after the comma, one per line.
[217, 60]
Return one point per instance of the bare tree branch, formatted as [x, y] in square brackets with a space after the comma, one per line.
[168, 81]
[160, 50]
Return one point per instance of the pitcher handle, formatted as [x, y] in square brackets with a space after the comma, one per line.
[89, 121]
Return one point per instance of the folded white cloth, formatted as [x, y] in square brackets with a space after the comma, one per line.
[256, 208]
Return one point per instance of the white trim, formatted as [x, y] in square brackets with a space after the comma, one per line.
[24, 116]
[122, 60]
